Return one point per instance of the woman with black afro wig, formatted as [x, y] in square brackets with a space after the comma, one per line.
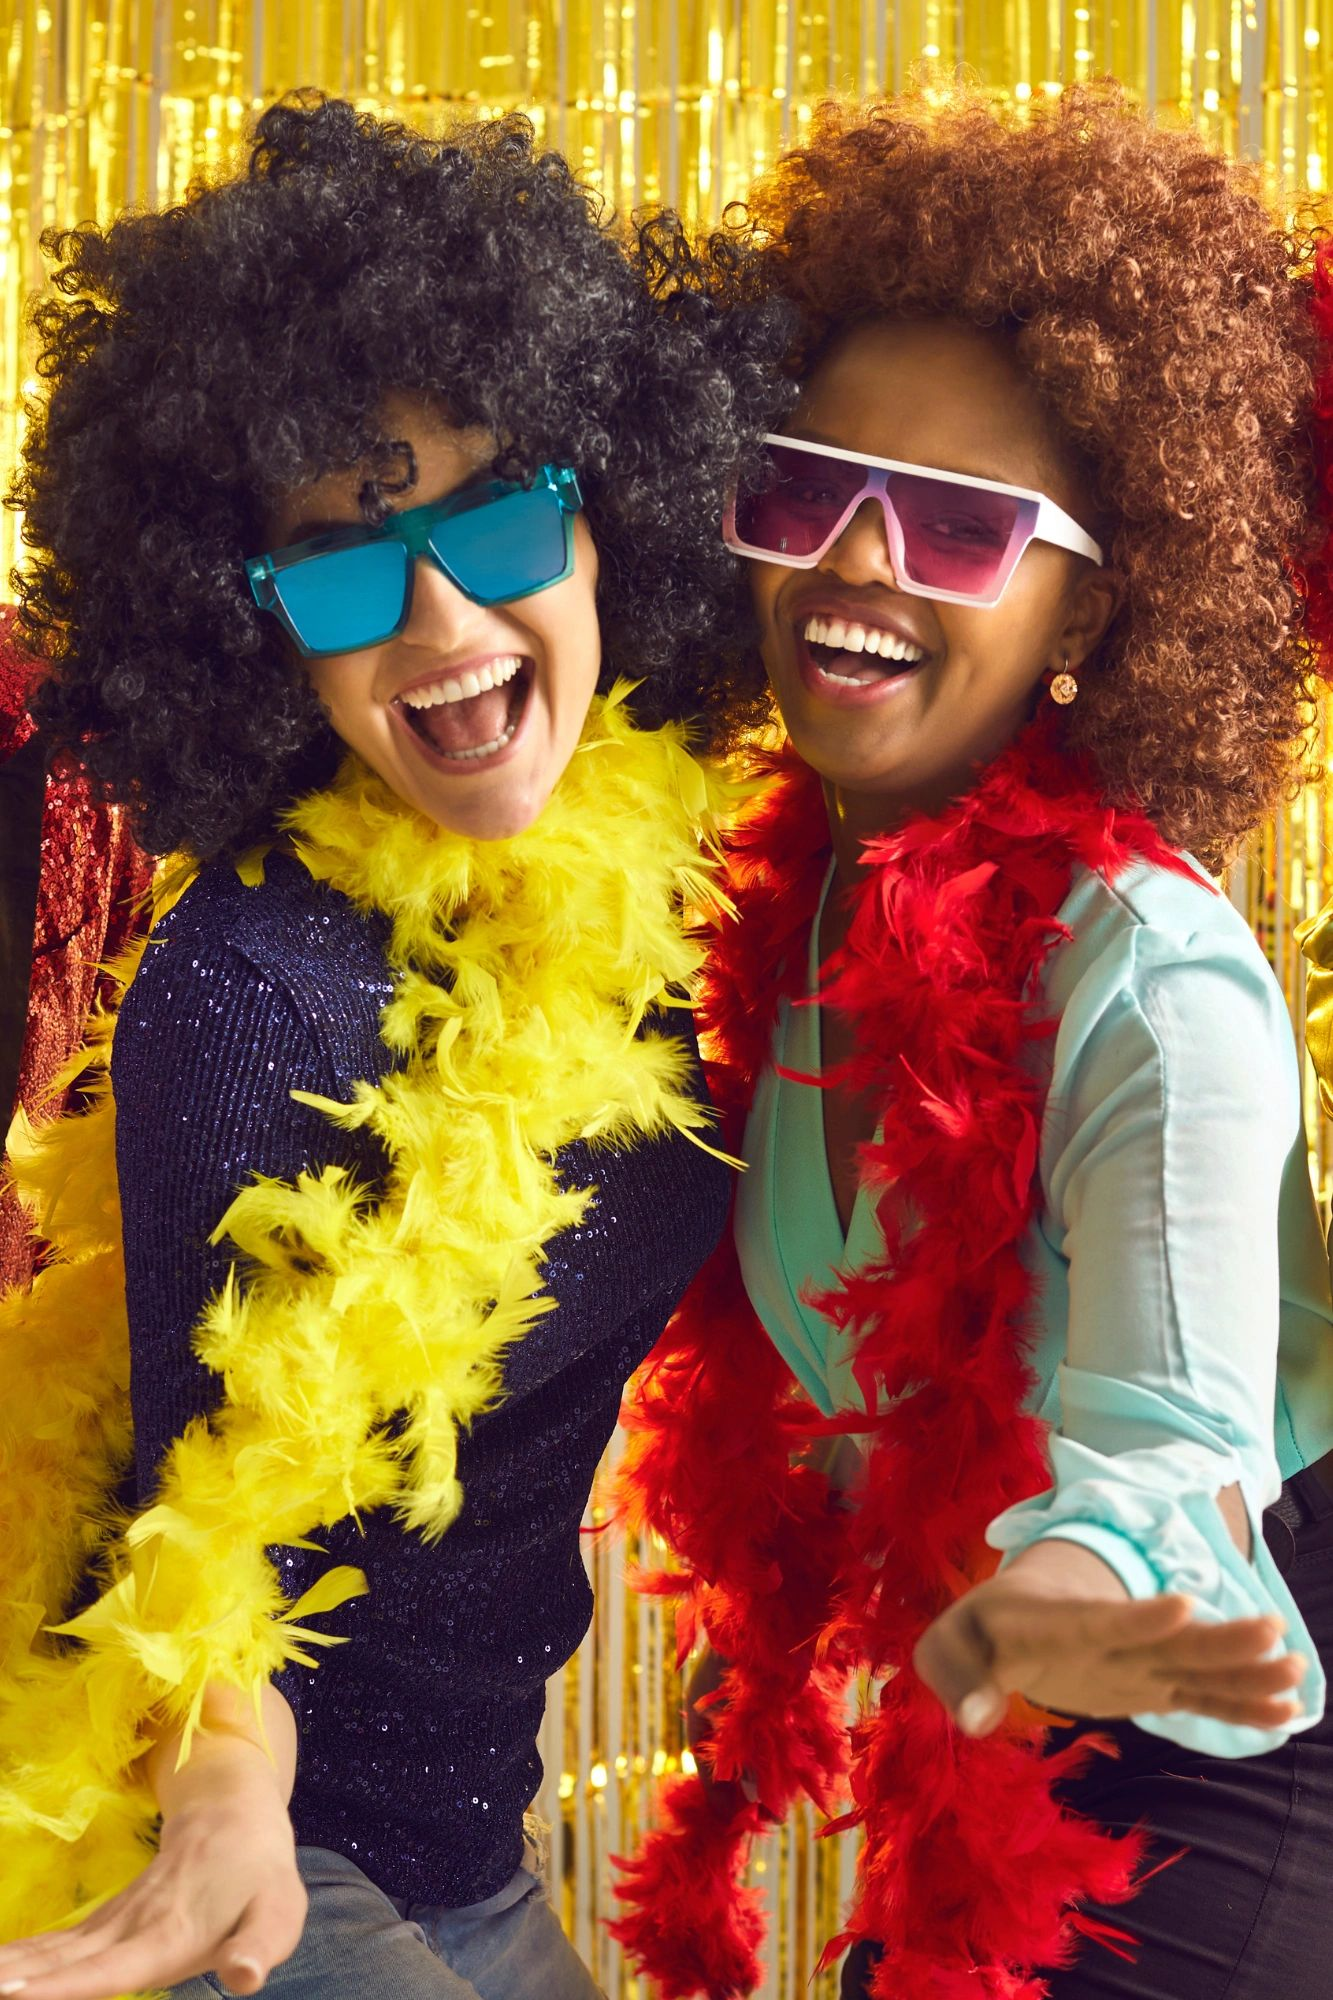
[206, 362]
[375, 561]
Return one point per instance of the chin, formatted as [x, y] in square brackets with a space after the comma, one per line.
[499, 818]
[835, 756]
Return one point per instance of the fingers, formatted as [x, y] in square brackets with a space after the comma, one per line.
[1260, 1696]
[1235, 1644]
[49, 1941]
[129, 1965]
[1221, 1671]
[1265, 1678]
[125, 1949]
[1266, 1712]
[147, 1961]
[30, 1958]
[268, 1933]
[244, 1975]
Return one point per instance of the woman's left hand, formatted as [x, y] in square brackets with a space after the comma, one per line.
[1058, 1627]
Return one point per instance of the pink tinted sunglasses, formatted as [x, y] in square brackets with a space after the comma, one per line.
[950, 536]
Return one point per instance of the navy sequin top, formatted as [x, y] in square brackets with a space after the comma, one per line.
[417, 1740]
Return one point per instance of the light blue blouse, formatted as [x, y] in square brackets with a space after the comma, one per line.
[1183, 1334]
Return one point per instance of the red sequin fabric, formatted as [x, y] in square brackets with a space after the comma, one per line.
[89, 906]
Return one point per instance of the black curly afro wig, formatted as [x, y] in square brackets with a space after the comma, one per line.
[204, 360]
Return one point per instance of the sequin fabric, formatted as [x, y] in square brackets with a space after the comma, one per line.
[418, 1752]
[92, 882]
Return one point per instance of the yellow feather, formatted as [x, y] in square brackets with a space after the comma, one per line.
[525, 969]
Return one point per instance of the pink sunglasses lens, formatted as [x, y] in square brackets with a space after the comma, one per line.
[959, 538]
[804, 499]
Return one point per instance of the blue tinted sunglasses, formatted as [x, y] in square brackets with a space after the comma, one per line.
[496, 541]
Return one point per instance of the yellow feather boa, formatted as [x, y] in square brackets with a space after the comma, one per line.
[525, 970]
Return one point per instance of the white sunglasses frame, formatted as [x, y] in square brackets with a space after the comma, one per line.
[1052, 523]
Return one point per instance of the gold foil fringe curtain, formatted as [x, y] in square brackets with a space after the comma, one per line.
[108, 102]
[111, 102]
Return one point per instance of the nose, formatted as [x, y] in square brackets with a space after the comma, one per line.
[442, 615]
[862, 553]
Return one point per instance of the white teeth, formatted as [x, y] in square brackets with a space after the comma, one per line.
[464, 687]
[852, 638]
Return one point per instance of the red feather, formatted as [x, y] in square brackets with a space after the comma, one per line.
[693, 1920]
[971, 1873]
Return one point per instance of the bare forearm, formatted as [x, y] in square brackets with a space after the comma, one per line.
[230, 1739]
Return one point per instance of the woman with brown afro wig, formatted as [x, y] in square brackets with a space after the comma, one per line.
[980, 1402]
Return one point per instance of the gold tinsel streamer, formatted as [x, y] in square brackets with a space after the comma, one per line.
[109, 102]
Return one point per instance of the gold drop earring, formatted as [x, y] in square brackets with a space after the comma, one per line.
[1064, 688]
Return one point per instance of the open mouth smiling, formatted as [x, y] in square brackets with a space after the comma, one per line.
[469, 714]
[842, 656]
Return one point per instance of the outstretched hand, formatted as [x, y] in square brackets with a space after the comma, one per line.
[222, 1895]
[1058, 1627]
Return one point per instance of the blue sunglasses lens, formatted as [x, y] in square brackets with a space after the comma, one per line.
[346, 599]
[510, 547]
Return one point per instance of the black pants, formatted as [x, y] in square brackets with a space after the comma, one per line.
[1247, 1912]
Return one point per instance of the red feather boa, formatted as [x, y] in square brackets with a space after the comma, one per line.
[971, 1873]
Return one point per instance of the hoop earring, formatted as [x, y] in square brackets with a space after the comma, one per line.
[1064, 688]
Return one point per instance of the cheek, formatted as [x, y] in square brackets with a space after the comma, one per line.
[973, 636]
[1004, 648]
[585, 553]
[586, 572]
[562, 628]
[343, 686]
[766, 581]
[570, 625]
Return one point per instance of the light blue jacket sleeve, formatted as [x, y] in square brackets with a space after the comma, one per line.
[1172, 1118]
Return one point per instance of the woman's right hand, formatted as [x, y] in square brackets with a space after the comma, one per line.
[222, 1894]
[1058, 1626]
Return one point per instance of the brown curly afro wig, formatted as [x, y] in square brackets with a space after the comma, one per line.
[1165, 318]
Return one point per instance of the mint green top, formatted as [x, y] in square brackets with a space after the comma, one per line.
[1183, 1334]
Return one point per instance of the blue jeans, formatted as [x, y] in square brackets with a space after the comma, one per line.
[358, 1944]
